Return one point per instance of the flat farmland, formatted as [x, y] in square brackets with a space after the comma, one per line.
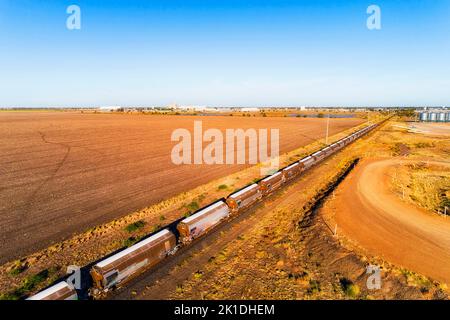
[64, 172]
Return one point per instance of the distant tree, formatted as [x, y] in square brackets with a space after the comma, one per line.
[407, 112]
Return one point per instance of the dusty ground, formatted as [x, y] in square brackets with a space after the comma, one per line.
[434, 129]
[425, 184]
[64, 172]
[367, 211]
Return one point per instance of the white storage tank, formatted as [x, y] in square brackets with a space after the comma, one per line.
[423, 116]
[441, 117]
[433, 117]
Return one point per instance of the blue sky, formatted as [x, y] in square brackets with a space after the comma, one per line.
[246, 53]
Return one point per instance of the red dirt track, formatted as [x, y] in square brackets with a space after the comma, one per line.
[368, 212]
[64, 172]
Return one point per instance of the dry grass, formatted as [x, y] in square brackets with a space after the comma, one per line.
[424, 185]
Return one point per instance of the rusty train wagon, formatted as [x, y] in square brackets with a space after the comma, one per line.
[129, 262]
[318, 156]
[327, 151]
[271, 183]
[345, 141]
[202, 221]
[244, 198]
[291, 171]
[336, 146]
[307, 162]
[60, 291]
[341, 143]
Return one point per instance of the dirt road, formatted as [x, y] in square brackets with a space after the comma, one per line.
[383, 224]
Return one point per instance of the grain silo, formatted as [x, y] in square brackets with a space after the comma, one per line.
[432, 117]
[423, 116]
[435, 116]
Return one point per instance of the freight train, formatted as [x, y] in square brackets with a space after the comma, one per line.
[128, 263]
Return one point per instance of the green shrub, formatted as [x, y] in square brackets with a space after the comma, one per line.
[193, 206]
[130, 241]
[314, 286]
[135, 226]
[17, 269]
[350, 289]
[30, 283]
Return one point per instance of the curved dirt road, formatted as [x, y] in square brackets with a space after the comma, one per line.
[369, 213]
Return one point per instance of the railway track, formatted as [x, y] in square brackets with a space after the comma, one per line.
[154, 257]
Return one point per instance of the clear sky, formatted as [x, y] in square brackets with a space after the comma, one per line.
[213, 52]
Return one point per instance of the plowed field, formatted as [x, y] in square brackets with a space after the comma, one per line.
[64, 172]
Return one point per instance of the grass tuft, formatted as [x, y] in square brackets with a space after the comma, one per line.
[18, 268]
[314, 287]
[135, 226]
[193, 206]
[29, 283]
[350, 289]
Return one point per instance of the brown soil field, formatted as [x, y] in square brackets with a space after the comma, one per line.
[65, 172]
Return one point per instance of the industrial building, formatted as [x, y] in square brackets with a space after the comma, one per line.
[434, 116]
